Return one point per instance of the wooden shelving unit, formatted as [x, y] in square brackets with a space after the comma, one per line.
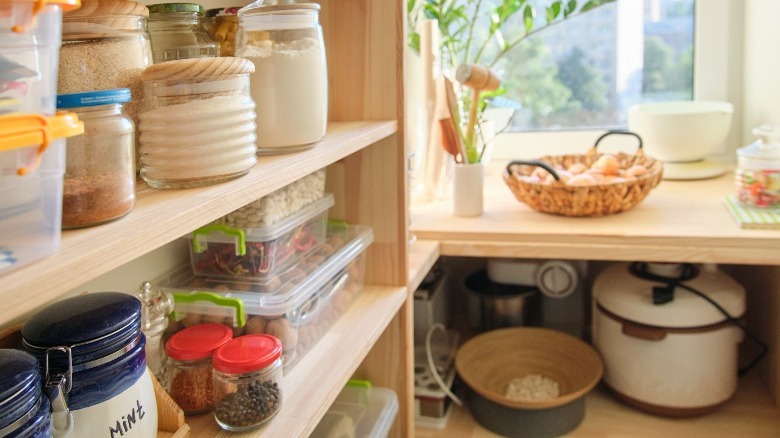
[680, 221]
[365, 158]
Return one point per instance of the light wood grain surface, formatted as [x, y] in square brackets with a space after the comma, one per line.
[678, 221]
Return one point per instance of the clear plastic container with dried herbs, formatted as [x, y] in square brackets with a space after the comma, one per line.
[198, 122]
[99, 181]
[177, 32]
[247, 382]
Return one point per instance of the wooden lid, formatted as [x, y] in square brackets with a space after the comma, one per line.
[94, 8]
[195, 68]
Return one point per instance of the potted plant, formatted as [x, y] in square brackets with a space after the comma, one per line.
[478, 34]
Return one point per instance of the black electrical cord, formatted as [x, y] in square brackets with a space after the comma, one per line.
[689, 271]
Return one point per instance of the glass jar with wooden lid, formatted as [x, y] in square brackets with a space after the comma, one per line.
[198, 122]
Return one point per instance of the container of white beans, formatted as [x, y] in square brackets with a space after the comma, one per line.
[197, 126]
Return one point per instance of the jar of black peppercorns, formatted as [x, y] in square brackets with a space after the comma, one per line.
[190, 367]
[247, 382]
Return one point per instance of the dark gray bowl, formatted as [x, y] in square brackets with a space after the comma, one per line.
[526, 423]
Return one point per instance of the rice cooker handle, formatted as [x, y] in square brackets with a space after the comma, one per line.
[643, 332]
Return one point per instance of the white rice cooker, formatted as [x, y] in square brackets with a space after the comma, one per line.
[666, 349]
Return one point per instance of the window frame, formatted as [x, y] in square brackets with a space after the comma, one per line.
[718, 30]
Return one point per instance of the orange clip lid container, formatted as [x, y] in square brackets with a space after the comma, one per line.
[30, 38]
[32, 166]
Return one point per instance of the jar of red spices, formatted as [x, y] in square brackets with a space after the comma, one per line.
[190, 365]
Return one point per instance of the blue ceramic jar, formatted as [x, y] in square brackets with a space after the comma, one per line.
[24, 410]
[91, 352]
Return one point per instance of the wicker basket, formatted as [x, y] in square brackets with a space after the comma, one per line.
[557, 197]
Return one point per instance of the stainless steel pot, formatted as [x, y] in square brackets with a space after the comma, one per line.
[493, 305]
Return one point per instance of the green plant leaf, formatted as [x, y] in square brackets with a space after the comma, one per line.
[553, 11]
[571, 7]
[529, 13]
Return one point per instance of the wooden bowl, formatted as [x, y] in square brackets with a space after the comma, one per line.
[487, 362]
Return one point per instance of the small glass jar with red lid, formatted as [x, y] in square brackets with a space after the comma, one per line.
[190, 366]
[247, 382]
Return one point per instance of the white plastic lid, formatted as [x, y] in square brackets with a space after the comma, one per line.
[620, 292]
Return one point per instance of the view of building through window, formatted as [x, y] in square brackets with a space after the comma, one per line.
[586, 71]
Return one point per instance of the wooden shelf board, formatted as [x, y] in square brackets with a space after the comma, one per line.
[750, 412]
[314, 382]
[422, 256]
[678, 221]
[160, 216]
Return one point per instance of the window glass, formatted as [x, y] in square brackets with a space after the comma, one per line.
[586, 71]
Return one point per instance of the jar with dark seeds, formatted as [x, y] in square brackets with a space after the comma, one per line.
[247, 382]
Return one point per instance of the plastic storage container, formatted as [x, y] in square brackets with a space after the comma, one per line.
[31, 179]
[100, 165]
[758, 169]
[222, 25]
[290, 83]
[190, 366]
[360, 411]
[198, 123]
[247, 382]
[259, 254]
[24, 409]
[298, 311]
[177, 32]
[279, 204]
[91, 351]
[30, 38]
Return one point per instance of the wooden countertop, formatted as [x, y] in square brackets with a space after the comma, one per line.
[683, 221]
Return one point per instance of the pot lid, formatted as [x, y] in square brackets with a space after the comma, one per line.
[21, 384]
[94, 325]
[197, 341]
[247, 353]
[198, 68]
[480, 283]
[625, 294]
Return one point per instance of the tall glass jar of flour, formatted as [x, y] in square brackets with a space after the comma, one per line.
[290, 82]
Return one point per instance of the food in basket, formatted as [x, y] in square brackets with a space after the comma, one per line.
[591, 184]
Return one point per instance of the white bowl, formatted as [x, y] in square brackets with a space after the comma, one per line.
[681, 131]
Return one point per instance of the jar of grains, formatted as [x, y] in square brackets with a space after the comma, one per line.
[222, 25]
[247, 382]
[99, 183]
[105, 46]
[758, 169]
[177, 32]
[198, 122]
[290, 82]
[190, 368]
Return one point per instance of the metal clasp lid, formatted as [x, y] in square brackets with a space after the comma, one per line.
[58, 387]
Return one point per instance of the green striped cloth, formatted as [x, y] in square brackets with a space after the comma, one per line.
[750, 217]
